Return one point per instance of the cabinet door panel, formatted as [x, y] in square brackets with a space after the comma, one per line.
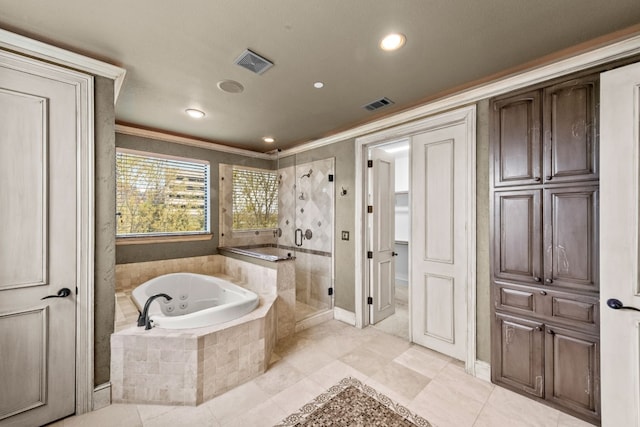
[517, 140]
[571, 130]
[517, 236]
[572, 370]
[571, 237]
[518, 352]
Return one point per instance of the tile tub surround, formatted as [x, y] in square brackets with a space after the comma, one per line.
[191, 366]
[279, 278]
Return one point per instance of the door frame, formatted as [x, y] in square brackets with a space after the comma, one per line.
[466, 115]
[85, 200]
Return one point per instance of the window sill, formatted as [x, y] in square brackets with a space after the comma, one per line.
[145, 240]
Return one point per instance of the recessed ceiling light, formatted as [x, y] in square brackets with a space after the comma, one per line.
[268, 139]
[196, 114]
[393, 41]
[318, 85]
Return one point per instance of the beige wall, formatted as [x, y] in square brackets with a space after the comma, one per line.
[483, 336]
[105, 248]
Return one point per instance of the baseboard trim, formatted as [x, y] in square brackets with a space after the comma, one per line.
[346, 316]
[483, 370]
[101, 396]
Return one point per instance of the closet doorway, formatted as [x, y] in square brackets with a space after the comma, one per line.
[440, 206]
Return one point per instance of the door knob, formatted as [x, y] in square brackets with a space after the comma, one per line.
[62, 293]
[394, 253]
[616, 304]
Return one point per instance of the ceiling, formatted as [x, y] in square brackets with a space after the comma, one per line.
[176, 52]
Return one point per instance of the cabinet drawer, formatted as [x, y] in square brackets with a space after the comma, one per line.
[577, 311]
[573, 309]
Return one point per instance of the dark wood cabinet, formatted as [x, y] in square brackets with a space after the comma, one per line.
[517, 235]
[572, 368]
[544, 244]
[517, 143]
[570, 237]
[570, 130]
[519, 352]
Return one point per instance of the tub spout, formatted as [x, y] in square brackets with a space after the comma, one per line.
[143, 319]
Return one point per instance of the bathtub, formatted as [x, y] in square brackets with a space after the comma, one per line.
[263, 252]
[198, 300]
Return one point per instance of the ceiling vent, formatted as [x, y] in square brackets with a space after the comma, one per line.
[378, 103]
[253, 62]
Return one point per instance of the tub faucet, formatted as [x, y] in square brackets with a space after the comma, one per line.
[143, 318]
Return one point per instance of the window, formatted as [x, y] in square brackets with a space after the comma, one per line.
[161, 195]
[255, 199]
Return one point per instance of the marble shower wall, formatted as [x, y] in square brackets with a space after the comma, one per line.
[307, 202]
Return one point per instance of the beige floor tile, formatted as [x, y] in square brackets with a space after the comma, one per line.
[293, 398]
[331, 374]
[184, 416]
[504, 406]
[402, 380]
[309, 359]
[266, 414]
[463, 384]
[566, 420]
[442, 407]
[237, 401]
[397, 324]
[279, 376]
[422, 362]
[388, 346]
[116, 415]
[147, 412]
[364, 360]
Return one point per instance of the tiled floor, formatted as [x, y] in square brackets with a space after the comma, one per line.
[431, 384]
[398, 323]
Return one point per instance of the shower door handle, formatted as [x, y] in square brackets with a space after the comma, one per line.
[299, 234]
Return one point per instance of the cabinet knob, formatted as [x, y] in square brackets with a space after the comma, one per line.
[548, 281]
[548, 177]
[536, 178]
[539, 328]
[550, 332]
[543, 292]
[536, 279]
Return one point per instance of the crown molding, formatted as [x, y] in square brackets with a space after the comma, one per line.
[161, 136]
[56, 55]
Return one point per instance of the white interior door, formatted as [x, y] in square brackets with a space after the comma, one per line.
[439, 240]
[383, 236]
[38, 226]
[619, 218]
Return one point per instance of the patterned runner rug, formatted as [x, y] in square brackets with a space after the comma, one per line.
[352, 403]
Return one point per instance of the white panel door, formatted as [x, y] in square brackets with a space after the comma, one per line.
[619, 217]
[38, 134]
[383, 275]
[439, 246]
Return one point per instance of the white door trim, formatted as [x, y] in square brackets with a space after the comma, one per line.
[465, 115]
[56, 55]
[84, 88]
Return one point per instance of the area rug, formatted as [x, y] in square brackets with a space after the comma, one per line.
[352, 403]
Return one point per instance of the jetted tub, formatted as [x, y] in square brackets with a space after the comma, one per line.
[198, 300]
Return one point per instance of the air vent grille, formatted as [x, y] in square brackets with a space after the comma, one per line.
[378, 103]
[253, 62]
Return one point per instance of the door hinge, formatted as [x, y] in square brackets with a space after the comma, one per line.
[369, 163]
[369, 209]
[370, 255]
[370, 300]
[330, 291]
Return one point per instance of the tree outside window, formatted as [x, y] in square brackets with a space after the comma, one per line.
[160, 195]
[255, 199]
